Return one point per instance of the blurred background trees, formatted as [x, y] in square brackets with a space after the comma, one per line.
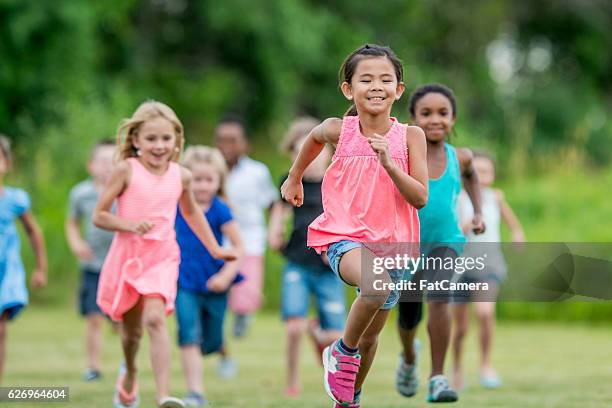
[533, 82]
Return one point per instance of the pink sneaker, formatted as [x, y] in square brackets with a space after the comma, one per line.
[340, 372]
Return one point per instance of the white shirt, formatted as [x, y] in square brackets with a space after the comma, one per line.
[251, 191]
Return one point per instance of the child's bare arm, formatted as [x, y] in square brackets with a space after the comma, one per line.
[103, 216]
[327, 132]
[510, 218]
[79, 247]
[471, 186]
[35, 236]
[197, 222]
[221, 281]
[278, 216]
[414, 187]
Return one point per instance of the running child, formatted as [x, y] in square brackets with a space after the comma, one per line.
[306, 273]
[203, 281]
[90, 249]
[15, 204]
[495, 209]
[251, 192]
[433, 108]
[377, 180]
[138, 281]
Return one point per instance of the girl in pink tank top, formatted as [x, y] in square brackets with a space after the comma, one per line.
[139, 277]
[371, 193]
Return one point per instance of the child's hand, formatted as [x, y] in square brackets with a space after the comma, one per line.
[39, 279]
[140, 227]
[218, 283]
[478, 225]
[292, 191]
[227, 254]
[83, 251]
[381, 146]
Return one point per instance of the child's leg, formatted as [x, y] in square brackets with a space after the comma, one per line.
[368, 345]
[189, 321]
[93, 339]
[485, 312]
[3, 328]
[461, 317]
[154, 319]
[409, 317]
[364, 308]
[330, 298]
[294, 309]
[191, 359]
[131, 333]
[439, 328]
[295, 329]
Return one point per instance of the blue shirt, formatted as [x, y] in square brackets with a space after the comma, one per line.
[197, 264]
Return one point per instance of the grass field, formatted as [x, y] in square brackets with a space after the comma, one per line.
[542, 365]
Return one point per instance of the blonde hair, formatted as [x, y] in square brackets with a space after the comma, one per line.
[209, 155]
[146, 111]
[298, 129]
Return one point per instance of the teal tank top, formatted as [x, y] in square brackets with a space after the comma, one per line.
[439, 218]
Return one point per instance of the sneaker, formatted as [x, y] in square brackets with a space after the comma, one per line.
[91, 375]
[195, 399]
[491, 381]
[227, 368]
[339, 374]
[292, 392]
[407, 375]
[171, 402]
[439, 391]
[241, 325]
[354, 404]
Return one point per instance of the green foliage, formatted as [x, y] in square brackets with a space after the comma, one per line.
[71, 70]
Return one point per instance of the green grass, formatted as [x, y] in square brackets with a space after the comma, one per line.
[542, 365]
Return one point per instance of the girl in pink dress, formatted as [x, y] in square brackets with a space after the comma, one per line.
[371, 193]
[139, 277]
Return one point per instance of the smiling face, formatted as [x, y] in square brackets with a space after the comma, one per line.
[156, 141]
[374, 86]
[205, 183]
[434, 114]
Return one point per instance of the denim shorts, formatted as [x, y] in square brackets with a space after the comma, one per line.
[335, 252]
[200, 319]
[88, 291]
[300, 281]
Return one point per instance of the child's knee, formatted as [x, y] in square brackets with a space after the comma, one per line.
[132, 334]
[154, 321]
[295, 327]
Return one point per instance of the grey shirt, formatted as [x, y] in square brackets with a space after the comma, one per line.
[83, 200]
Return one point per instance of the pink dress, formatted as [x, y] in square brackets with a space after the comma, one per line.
[143, 265]
[360, 201]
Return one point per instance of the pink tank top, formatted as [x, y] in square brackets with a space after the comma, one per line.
[153, 198]
[360, 201]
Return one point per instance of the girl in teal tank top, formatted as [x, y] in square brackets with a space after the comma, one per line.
[433, 108]
[439, 219]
